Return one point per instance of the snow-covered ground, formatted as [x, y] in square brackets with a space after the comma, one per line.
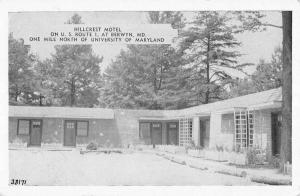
[40, 167]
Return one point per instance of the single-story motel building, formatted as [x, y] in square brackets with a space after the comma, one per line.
[252, 120]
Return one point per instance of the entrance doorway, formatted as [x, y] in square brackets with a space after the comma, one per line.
[156, 133]
[70, 133]
[204, 132]
[172, 133]
[276, 133]
[36, 133]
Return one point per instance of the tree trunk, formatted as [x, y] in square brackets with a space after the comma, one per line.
[41, 99]
[286, 136]
[207, 70]
[154, 79]
[72, 101]
[16, 94]
[160, 77]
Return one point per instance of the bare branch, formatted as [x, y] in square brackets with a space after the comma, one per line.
[271, 25]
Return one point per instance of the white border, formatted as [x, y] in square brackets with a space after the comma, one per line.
[144, 5]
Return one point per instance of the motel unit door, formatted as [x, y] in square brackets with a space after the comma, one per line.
[156, 133]
[204, 132]
[276, 133]
[172, 133]
[36, 133]
[70, 133]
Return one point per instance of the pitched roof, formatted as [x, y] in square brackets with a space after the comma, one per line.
[60, 112]
[272, 96]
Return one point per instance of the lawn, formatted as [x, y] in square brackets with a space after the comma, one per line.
[41, 167]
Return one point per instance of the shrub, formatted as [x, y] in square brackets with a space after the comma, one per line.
[18, 141]
[198, 147]
[191, 145]
[275, 162]
[92, 146]
[219, 148]
[254, 156]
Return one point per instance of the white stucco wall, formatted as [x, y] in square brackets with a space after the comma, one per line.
[196, 131]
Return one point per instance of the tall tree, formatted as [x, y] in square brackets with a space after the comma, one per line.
[20, 72]
[254, 21]
[209, 45]
[44, 82]
[268, 75]
[75, 73]
[143, 75]
[286, 140]
[142, 78]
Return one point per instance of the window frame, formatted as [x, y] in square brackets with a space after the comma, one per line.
[18, 127]
[185, 131]
[241, 124]
[87, 128]
[140, 131]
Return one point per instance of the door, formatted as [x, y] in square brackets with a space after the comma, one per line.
[172, 133]
[145, 132]
[204, 133]
[70, 133]
[156, 133]
[276, 133]
[36, 133]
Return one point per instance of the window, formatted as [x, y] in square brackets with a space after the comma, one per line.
[23, 127]
[227, 123]
[244, 128]
[185, 131]
[172, 125]
[82, 128]
[144, 130]
[156, 125]
[70, 125]
[36, 124]
[250, 128]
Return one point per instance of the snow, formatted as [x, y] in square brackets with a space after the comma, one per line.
[271, 173]
[42, 167]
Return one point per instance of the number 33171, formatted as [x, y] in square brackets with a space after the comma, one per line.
[17, 182]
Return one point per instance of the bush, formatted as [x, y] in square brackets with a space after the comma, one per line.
[254, 156]
[191, 145]
[18, 141]
[275, 162]
[219, 148]
[92, 146]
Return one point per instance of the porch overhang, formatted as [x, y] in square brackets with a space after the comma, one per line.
[268, 105]
[157, 118]
[60, 112]
[261, 106]
[202, 114]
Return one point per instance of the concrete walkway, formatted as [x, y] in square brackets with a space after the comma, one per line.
[261, 175]
[70, 168]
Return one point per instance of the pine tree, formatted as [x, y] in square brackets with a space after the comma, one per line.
[144, 76]
[209, 46]
[74, 74]
[268, 75]
[20, 72]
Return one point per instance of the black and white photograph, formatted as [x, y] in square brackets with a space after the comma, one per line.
[150, 98]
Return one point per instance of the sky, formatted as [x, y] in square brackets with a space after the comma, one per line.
[255, 46]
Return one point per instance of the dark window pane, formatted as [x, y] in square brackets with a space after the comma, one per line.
[82, 128]
[145, 130]
[23, 127]
[70, 125]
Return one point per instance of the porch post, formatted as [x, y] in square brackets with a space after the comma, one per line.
[215, 128]
[196, 131]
